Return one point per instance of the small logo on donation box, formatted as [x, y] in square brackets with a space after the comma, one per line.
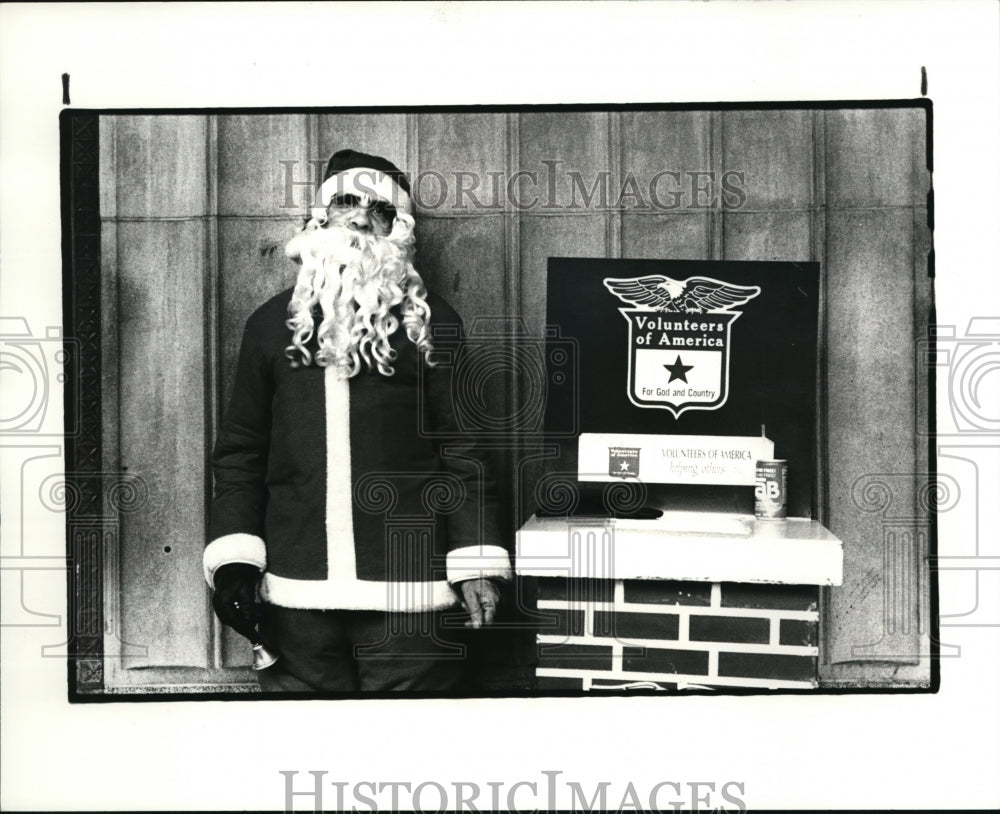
[679, 334]
[623, 462]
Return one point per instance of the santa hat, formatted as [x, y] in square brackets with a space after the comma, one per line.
[352, 173]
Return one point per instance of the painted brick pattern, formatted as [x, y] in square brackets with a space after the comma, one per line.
[637, 635]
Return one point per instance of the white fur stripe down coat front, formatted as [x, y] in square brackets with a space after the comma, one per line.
[362, 493]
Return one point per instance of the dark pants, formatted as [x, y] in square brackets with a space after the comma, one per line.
[344, 651]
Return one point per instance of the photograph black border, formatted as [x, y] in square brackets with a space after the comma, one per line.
[90, 518]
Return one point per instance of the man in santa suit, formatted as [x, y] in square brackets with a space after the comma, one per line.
[352, 513]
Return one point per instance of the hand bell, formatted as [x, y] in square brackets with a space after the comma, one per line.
[262, 657]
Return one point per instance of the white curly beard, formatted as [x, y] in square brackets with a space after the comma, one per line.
[353, 280]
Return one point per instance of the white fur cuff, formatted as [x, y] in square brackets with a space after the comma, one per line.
[348, 593]
[478, 562]
[248, 548]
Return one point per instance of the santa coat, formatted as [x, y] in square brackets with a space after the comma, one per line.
[360, 493]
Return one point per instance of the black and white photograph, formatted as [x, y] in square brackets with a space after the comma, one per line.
[698, 289]
[630, 444]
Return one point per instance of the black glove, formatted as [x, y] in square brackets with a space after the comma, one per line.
[235, 597]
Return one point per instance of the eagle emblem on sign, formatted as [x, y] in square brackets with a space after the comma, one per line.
[679, 338]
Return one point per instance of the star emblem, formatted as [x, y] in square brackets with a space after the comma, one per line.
[623, 467]
[678, 370]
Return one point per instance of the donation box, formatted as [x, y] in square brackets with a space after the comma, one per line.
[650, 568]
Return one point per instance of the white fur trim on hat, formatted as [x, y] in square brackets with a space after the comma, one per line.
[362, 181]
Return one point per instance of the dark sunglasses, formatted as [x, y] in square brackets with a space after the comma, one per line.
[379, 210]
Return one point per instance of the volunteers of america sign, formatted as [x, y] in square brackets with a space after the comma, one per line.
[679, 336]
